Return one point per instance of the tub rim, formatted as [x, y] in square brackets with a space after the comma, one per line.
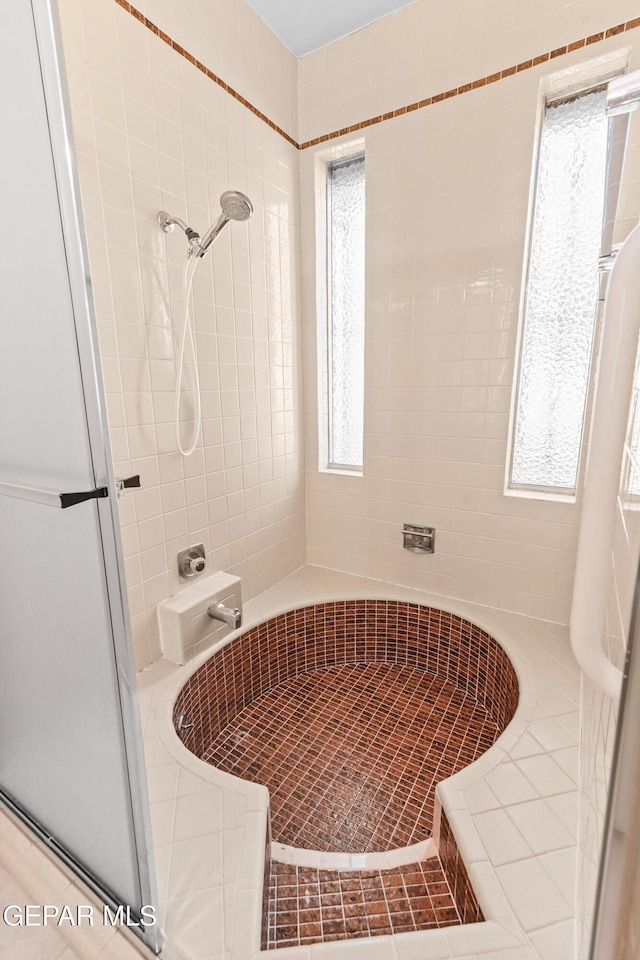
[500, 929]
[259, 793]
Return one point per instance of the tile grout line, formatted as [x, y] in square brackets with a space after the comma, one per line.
[383, 896]
[411, 627]
[477, 84]
[299, 817]
[616, 30]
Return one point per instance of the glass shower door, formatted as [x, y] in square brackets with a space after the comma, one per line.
[70, 745]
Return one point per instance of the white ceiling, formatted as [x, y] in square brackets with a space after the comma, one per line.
[307, 25]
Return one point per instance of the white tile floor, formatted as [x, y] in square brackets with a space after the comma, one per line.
[513, 812]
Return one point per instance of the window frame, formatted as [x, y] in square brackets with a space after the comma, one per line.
[562, 87]
[323, 162]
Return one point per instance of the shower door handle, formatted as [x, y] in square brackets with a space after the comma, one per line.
[49, 499]
[71, 499]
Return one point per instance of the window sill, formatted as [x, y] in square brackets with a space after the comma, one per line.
[552, 496]
[342, 471]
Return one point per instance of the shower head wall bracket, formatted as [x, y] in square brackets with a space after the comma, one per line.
[168, 225]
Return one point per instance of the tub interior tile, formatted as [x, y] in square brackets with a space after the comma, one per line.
[351, 712]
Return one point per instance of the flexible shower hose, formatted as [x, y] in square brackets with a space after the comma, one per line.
[187, 328]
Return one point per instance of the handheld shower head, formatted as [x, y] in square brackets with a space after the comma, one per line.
[235, 206]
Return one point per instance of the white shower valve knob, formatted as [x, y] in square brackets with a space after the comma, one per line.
[197, 565]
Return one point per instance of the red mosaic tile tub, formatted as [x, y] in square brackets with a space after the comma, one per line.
[350, 631]
[351, 712]
[364, 705]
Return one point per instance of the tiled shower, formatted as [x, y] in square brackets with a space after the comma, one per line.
[173, 103]
[447, 202]
[153, 132]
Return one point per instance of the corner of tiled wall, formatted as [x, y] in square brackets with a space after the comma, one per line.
[447, 207]
[153, 132]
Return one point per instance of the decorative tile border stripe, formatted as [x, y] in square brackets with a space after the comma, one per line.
[476, 84]
[391, 114]
[201, 67]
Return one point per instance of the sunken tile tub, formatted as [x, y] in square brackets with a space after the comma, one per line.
[350, 713]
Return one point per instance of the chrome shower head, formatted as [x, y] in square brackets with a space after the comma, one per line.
[235, 206]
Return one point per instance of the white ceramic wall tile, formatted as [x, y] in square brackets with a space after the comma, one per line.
[446, 223]
[418, 52]
[152, 132]
[446, 219]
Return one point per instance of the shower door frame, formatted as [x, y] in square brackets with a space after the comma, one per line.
[618, 891]
[49, 47]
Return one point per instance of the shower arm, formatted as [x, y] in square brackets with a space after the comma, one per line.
[168, 224]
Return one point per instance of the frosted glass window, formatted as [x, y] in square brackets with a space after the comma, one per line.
[561, 295]
[345, 340]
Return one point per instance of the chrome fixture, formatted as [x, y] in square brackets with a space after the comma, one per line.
[191, 562]
[232, 616]
[418, 539]
[235, 206]
[169, 223]
[183, 723]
